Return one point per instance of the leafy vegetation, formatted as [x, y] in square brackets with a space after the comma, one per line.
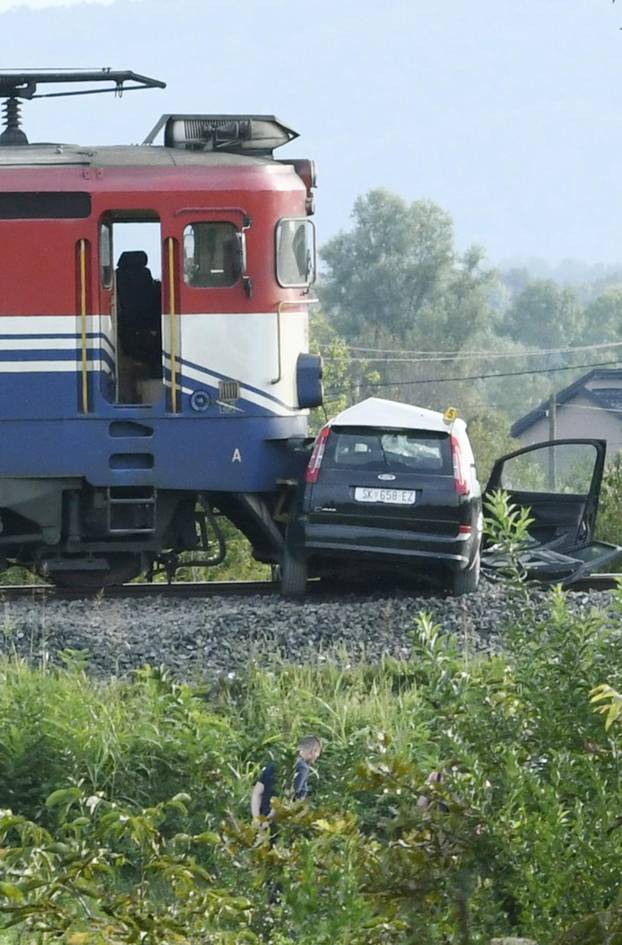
[609, 523]
[126, 803]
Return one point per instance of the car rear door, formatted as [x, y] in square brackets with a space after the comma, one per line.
[560, 481]
[388, 479]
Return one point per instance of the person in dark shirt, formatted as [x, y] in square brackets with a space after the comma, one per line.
[309, 750]
[267, 780]
[266, 788]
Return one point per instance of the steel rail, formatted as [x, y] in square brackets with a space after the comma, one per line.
[595, 582]
[141, 589]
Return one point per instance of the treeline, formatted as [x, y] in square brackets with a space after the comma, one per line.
[405, 315]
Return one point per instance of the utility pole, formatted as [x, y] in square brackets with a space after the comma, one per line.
[552, 436]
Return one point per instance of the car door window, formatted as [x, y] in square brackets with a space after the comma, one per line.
[564, 468]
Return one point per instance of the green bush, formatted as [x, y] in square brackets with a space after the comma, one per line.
[127, 802]
[609, 523]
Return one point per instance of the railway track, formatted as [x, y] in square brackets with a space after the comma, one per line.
[190, 589]
[218, 629]
[183, 589]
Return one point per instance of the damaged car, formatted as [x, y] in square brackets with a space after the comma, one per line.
[392, 489]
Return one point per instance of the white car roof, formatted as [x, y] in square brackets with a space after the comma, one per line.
[390, 414]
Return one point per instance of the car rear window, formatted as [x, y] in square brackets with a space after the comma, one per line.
[418, 451]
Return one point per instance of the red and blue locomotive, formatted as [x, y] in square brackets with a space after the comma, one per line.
[147, 385]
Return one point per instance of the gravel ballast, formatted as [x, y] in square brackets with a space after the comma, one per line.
[222, 635]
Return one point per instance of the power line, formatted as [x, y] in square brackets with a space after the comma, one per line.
[458, 351]
[569, 405]
[476, 377]
[469, 355]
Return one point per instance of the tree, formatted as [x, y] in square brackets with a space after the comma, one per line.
[545, 315]
[603, 318]
[396, 276]
[490, 438]
[516, 279]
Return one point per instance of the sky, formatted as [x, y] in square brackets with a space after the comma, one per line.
[508, 115]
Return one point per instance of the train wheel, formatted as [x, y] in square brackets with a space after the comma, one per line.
[121, 567]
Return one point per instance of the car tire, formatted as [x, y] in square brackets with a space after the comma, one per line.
[466, 582]
[294, 574]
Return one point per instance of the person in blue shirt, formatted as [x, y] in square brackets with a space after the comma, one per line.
[266, 787]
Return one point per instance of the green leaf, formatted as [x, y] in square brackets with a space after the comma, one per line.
[62, 796]
[11, 891]
[208, 836]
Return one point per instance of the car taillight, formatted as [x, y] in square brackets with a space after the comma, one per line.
[461, 479]
[313, 469]
[465, 529]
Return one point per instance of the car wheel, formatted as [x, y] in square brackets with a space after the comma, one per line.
[466, 582]
[293, 575]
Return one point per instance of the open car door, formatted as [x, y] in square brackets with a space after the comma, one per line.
[559, 481]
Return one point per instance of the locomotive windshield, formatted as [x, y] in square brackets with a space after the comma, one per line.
[295, 252]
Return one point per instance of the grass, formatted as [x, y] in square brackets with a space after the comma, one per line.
[134, 795]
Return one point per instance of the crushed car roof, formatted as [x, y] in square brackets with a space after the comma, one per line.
[390, 414]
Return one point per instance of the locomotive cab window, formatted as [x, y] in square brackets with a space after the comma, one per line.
[214, 255]
[295, 252]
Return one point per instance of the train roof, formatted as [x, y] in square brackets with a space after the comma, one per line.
[190, 140]
[45, 155]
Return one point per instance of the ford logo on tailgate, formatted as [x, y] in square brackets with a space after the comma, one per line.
[387, 477]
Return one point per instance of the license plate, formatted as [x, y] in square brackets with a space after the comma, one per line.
[387, 496]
